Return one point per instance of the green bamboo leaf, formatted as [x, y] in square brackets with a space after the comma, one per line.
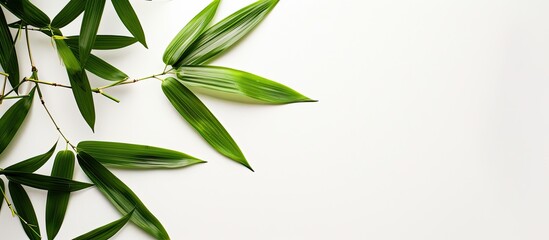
[8, 55]
[102, 69]
[27, 12]
[25, 210]
[3, 191]
[107, 231]
[45, 182]
[125, 155]
[239, 82]
[90, 23]
[70, 12]
[13, 118]
[57, 202]
[71, 62]
[104, 42]
[34, 163]
[198, 116]
[128, 17]
[189, 34]
[121, 196]
[226, 33]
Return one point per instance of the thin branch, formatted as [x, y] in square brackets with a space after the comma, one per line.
[52, 119]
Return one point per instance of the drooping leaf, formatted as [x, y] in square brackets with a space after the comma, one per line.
[121, 196]
[34, 163]
[102, 69]
[8, 55]
[104, 42]
[25, 210]
[12, 120]
[90, 23]
[189, 34]
[125, 155]
[3, 191]
[239, 82]
[27, 12]
[107, 231]
[226, 33]
[128, 17]
[45, 182]
[57, 202]
[198, 116]
[71, 62]
[70, 12]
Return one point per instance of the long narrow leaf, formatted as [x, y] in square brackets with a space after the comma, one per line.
[189, 34]
[12, 119]
[27, 12]
[125, 155]
[34, 163]
[3, 191]
[71, 62]
[102, 69]
[226, 33]
[25, 210]
[107, 231]
[8, 55]
[198, 116]
[88, 32]
[45, 182]
[239, 82]
[57, 202]
[128, 17]
[70, 12]
[104, 42]
[121, 196]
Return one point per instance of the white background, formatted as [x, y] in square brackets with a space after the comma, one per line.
[432, 124]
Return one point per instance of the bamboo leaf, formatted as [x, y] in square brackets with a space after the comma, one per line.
[107, 231]
[198, 116]
[102, 69]
[90, 23]
[122, 197]
[34, 163]
[223, 35]
[71, 62]
[128, 17]
[70, 12]
[189, 34]
[25, 210]
[125, 155]
[239, 82]
[57, 202]
[12, 119]
[3, 192]
[8, 55]
[27, 12]
[104, 42]
[45, 182]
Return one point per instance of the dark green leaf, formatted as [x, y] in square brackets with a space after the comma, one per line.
[239, 82]
[103, 69]
[90, 24]
[122, 197]
[34, 163]
[27, 12]
[25, 210]
[226, 33]
[198, 115]
[3, 191]
[107, 231]
[8, 55]
[187, 35]
[104, 42]
[129, 18]
[45, 182]
[12, 120]
[125, 155]
[57, 202]
[70, 12]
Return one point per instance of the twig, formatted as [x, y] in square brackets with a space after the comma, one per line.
[52, 119]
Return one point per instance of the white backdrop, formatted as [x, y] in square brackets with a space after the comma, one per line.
[432, 124]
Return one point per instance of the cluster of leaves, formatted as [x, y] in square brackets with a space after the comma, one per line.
[186, 59]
